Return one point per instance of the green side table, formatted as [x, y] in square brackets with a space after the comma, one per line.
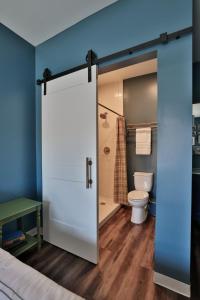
[15, 210]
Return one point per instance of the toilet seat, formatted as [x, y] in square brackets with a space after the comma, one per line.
[137, 196]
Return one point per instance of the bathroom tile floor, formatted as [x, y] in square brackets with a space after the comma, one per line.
[125, 269]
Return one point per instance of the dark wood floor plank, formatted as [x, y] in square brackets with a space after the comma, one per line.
[132, 267]
[125, 269]
[120, 259]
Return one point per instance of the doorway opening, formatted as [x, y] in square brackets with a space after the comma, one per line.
[127, 152]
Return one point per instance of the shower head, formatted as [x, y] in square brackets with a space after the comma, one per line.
[103, 115]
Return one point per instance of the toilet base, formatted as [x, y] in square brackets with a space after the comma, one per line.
[139, 214]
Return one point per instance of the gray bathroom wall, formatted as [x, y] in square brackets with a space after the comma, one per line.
[140, 106]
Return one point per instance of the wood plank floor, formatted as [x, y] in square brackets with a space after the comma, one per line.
[125, 270]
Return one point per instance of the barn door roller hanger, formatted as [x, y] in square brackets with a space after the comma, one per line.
[92, 59]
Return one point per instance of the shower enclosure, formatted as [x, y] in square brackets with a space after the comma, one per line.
[107, 149]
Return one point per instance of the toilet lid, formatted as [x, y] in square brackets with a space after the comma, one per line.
[137, 195]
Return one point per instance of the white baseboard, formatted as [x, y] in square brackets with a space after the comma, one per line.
[33, 231]
[172, 284]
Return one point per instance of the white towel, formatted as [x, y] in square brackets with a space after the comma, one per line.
[143, 141]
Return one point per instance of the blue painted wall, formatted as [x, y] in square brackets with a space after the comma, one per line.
[174, 161]
[121, 25]
[17, 117]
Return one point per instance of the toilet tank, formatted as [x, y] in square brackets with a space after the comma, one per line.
[143, 181]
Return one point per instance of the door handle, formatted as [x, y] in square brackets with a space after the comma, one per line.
[88, 173]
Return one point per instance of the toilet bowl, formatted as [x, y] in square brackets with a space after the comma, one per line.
[139, 197]
[138, 200]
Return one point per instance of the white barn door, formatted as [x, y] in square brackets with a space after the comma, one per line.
[69, 164]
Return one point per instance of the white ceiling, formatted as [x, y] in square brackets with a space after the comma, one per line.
[139, 69]
[38, 20]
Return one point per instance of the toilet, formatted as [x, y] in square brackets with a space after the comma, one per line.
[139, 198]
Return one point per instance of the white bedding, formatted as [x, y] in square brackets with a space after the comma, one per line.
[21, 282]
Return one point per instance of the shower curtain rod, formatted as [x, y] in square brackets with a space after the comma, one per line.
[92, 59]
[110, 110]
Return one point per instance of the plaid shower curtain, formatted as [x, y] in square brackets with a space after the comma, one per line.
[120, 171]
